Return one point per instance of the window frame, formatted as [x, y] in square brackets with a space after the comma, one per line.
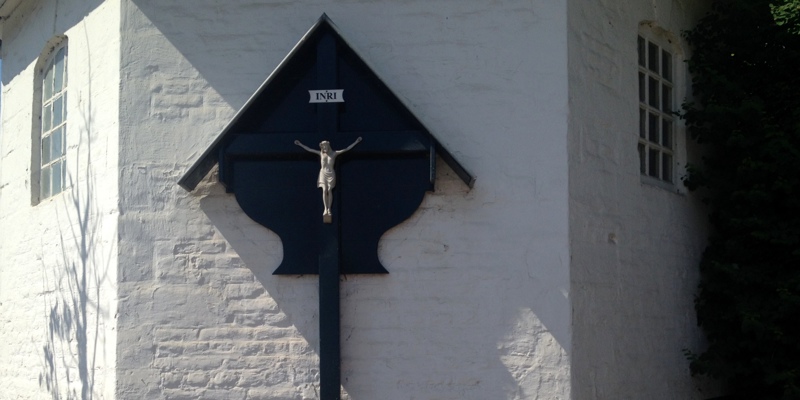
[667, 40]
[49, 128]
[656, 108]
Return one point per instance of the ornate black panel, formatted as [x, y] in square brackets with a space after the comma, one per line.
[324, 91]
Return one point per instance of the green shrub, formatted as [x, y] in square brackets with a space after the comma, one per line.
[745, 65]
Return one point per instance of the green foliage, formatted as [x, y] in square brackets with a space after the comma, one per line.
[746, 82]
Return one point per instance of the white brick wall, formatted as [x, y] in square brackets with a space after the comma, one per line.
[635, 246]
[475, 306]
[526, 287]
[58, 259]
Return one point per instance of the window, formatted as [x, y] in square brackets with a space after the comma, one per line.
[656, 127]
[52, 110]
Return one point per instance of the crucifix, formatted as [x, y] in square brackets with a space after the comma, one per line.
[327, 176]
[367, 187]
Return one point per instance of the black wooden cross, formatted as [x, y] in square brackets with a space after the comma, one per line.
[324, 91]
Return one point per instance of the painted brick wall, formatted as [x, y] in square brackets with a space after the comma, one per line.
[635, 246]
[476, 305]
[58, 258]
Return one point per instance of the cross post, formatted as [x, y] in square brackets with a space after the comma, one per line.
[280, 146]
[324, 91]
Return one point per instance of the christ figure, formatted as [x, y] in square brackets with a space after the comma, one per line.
[327, 175]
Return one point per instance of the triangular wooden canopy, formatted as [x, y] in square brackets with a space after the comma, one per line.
[210, 157]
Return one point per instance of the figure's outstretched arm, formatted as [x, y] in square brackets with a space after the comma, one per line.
[349, 147]
[306, 148]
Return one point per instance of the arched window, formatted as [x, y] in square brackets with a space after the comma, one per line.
[50, 117]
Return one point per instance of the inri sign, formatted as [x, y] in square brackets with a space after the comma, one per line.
[326, 96]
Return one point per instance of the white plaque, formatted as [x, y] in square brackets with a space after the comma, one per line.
[326, 96]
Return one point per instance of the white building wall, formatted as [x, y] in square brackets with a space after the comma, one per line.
[635, 246]
[476, 305]
[478, 301]
[58, 258]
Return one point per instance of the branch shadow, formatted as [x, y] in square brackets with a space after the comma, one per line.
[73, 312]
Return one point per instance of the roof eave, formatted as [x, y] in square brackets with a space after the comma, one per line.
[200, 168]
[208, 159]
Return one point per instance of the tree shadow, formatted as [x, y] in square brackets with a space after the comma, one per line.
[72, 281]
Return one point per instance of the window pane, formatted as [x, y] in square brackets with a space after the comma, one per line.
[666, 99]
[56, 175]
[64, 68]
[642, 89]
[47, 85]
[58, 106]
[642, 52]
[47, 117]
[666, 133]
[653, 91]
[46, 158]
[45, 182]
[57, 143]
[642, 123]
[666, 65]
[653, 162]
[58, 82]
[653, 128]
[642, 159]
[666, 167]
[652, 53]
[53, 116]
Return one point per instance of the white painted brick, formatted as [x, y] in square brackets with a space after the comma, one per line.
[198, 379]
[483, 283]
[58, 258]
[629, 240]
[172, 380]
[282, 394]
[248, 291]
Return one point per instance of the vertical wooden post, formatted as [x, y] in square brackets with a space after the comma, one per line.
[329, 329]
[329, 350]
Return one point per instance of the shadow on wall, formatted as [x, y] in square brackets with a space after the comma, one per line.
[418, 331]
[72, 280]
[200, 34]
[203, 33]
[474, 307]
[23, 56]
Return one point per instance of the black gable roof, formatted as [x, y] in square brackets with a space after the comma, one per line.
[281, 103]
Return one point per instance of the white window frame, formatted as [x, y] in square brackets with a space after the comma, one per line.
[49, 150]
[665, 39]
[660, 86]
